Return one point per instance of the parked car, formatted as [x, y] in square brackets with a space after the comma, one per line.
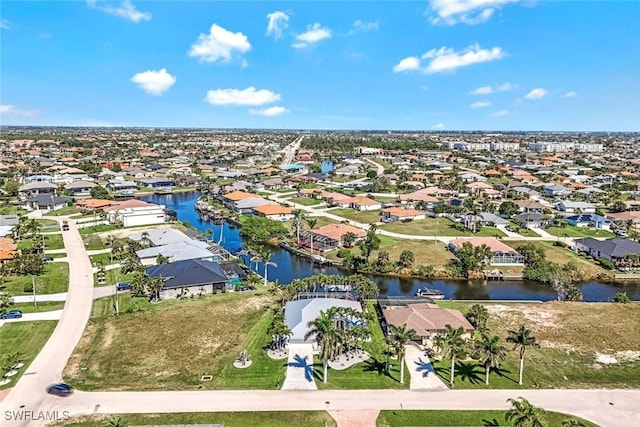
[47, 258]
[621, 233]
[65, 227]
[123, 286]
[13, 314]
[60, 389]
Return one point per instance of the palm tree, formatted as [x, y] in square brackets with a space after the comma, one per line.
[162, 259]
[115, 422]
[129, 264]
[400, 336]
[153, 287]
[489, 352]
[324, 333]
[524, 414]
[522, 339]
[312, 222]
[454, 345]
[298, 217]
[138, 283]
[144, 237]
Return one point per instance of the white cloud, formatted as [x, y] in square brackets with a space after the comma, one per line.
[362, 27]
[314, 34]
[500, 113]
[407, 64]
[505, 87]
[482, 90]
[126, 10]
[570, 94]
[480, 104]
[537, 93]
[154, 82]
[438, 126]
[219, 44]
[4, 24]
[470, 12]
[446, 59]
[278, 22]
[13, 111]
[248, 96]
[269, 112]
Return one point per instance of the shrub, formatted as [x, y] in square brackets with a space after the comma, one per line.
[622, 298]
[343, 253]
[560, 243]
[606, 264]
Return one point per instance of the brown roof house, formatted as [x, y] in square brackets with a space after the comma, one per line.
[328, 237]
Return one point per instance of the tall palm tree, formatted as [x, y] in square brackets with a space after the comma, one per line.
[129, 264]
[298, 217]
[323, 330]
[312, 222]
[490, 353]
[401, 336]
[454, 345]
[524, 414]
[521, 339]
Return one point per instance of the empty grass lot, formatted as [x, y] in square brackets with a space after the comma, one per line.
[370, 374]
[573, 231]
[93, 242]
[460, 418]
[51, 241]
[227, 419]
[305, 201]
[427, 227]
[563, 256]
[54, 279]
[67, 210]
[162, 353]
[570, 336]
[25, 338]
[364, 217]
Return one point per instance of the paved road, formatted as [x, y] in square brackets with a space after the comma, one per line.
[615, 408]
[47, 367]
[290, 151]
[378, 166]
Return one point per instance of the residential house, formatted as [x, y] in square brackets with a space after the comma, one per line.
[161, 236]
[501, 254]
[134, 212]
[274, 211]
[400, 214]
[247, 206]
[36, 188]
[530, 220]
[120, 186]
[362, 203]
[178, 251]
[193, 275]
[616, 249]
[570, 206]
[556, 190]
[80, 188]
[229, 200]
[328, 237]
[589, 220]
[45, 202]
[156, 183]
[530, 206]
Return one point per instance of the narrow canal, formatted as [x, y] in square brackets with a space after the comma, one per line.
[291, 266]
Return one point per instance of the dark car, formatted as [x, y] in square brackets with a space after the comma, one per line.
[47, 258]
[65, 227]
[60, 389]
[13, 314]
[123, 286]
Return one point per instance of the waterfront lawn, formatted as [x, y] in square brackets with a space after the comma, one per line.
[369, 374]
[51, 241]
[227, 419]
[445, 227]
[26, 339]
[54, 279]
[563, 256]
[573, 231]
[28, 307]
[170, 356]
[363, 217]
[305, 201]
[397, 418]
[570, 336]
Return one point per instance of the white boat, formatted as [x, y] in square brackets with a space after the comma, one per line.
[434, 294]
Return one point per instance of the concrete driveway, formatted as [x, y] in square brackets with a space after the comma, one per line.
[34, 317]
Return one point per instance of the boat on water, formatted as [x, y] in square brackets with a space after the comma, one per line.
[434, 294]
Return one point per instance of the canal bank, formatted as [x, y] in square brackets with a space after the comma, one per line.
[289, 267]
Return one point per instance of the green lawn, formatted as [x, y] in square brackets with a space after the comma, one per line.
[460, 418]
[97, 228]
[227, 419]
[93, 242]
[370, 374]
[523, 231]
[170, 356]
[365, 217]
[305, 201]
[12, 210]
[48, 224]
[570, 335]
[445, 227]
[42, 306]
[67, 210]
[54, 279]
[105, 259]
[51, 241]
[112, 277]
[573, 231]
[25, 338]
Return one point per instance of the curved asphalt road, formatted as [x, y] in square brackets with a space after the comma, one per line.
[617, 408]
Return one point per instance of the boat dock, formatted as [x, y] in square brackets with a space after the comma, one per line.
[315, 258]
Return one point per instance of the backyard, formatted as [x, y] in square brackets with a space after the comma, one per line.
[54, 279]
[445, 227]
[26, 339]
[582, 345]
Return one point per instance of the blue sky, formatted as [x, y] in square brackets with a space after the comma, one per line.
[419, 65]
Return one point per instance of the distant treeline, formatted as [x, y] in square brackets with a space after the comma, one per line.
[350, 143]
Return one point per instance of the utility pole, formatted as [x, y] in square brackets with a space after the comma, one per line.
[33, 287]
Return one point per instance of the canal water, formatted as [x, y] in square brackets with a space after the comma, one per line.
[290, 267]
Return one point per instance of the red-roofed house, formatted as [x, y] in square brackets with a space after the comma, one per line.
[399, 214]
[275, 212]
[501, 254]
[363, 203]
[328, 237]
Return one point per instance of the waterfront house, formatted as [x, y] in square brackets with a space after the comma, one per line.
[194, 276]
[156, 183]
[134, 212]
[273, 211]
[616, 249]
[161, 236]
[178, 251]
[501, 254]
[328, 237]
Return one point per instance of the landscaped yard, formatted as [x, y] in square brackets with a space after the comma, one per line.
[364, 217]
[54, 279]
[562, 256]
[227, 419]
[305, 201]
[51, 241]
[582, 345]
[25, 338]
[460, 418]
[170, 356]
[369, 374]
[427, 227]
[573, 231]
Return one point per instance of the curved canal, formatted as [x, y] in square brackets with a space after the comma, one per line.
[291, 266]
